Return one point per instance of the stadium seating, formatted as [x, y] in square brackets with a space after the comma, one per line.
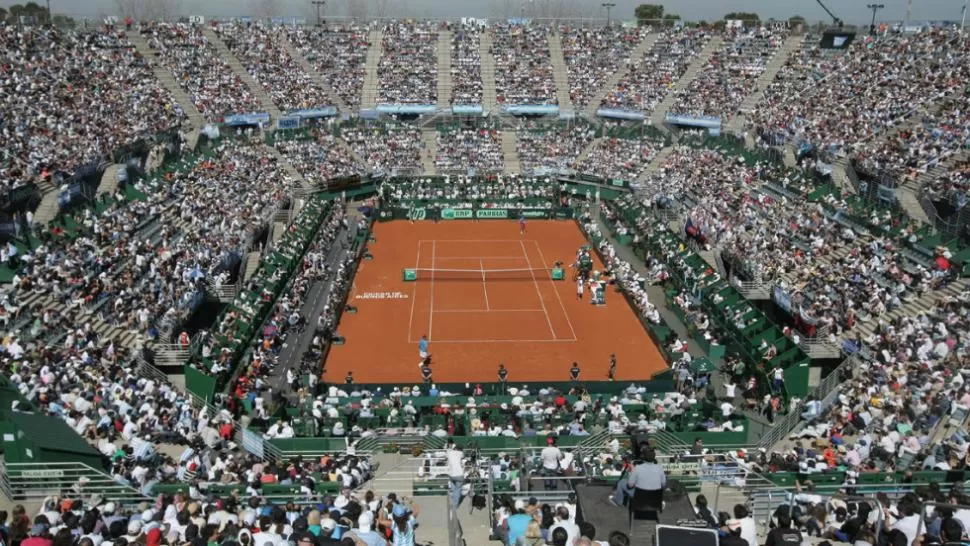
[691, 230]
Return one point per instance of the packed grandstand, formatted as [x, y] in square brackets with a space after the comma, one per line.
[781, 211]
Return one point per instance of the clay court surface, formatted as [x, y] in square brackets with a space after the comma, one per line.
[498, 304]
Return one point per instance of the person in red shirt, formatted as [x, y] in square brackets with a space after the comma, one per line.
[39, 536]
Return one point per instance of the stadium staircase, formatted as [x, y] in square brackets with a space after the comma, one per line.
[560, 75]
[792, 44]
[109, 180]
[240, 71]
[844, 175]
[291, 171]
[310, 69]
[429, 150]
[584, 153]
[48, 208]
[642, 48]
[788, 156]
[655, 163]
[489, 96]
[659, 115]
[510, 152]
[166, 78]
[368, 93]
[909, 193]
[252, 264]
[444, 69]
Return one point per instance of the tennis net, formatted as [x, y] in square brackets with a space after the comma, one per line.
[479, 275]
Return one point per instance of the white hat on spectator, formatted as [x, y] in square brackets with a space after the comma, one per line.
[134, 527]
[519, 504]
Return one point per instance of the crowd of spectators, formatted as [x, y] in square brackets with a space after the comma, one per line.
[835, 275]
[388, 148]
[917, 148]
[594, 54]
[287, 318]
[408, 71]
[464, 149]
[466, 192]
[466, 64]
[622, 158]
[551, 149]
[262, 52]
[320, 157]
[730, 74]
[648, 80]
[523, 65]
[69, 98]
[141, 265]
[850, 96]
[953, 185]
[207, 78]
[339, 54]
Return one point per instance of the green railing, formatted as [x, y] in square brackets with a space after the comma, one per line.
[33, 482]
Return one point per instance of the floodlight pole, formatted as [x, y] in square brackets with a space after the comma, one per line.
[875, 8]
[608, 6]
[318, 4]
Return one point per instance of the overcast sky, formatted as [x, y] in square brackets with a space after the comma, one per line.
[852, 11]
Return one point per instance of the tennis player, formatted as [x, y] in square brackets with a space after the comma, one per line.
[423, 350]
[522, 224]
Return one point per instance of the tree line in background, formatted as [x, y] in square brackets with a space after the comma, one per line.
[33, 11]
[648, 14]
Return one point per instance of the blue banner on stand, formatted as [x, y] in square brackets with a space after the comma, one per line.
[413, 109]
[467, 109]
[704, 122]
[613, 113]
[310, 113]
[531, 109]
[288, 122]
[256, 118]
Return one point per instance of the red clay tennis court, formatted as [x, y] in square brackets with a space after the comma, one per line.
[484, 295]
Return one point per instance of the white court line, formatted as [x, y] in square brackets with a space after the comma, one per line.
[488, 310]
[538, 293]
[484, 286]
[434, 250]
[439, 341]
[474, 240]
[479, 258]
[414, 289]
[554, 289]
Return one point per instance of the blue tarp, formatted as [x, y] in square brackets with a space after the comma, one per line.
[288, 122]
[531, 109]
[247, 119]
[466, 109]
[309, 113]
[406, 108]
[621, 114]
[706, 122]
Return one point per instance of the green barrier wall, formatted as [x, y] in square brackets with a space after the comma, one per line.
[199, 383]
[446, 213]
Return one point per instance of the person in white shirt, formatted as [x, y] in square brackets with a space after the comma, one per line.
[456, 472]
[909, 522]
[550, 457]
[563, 521]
